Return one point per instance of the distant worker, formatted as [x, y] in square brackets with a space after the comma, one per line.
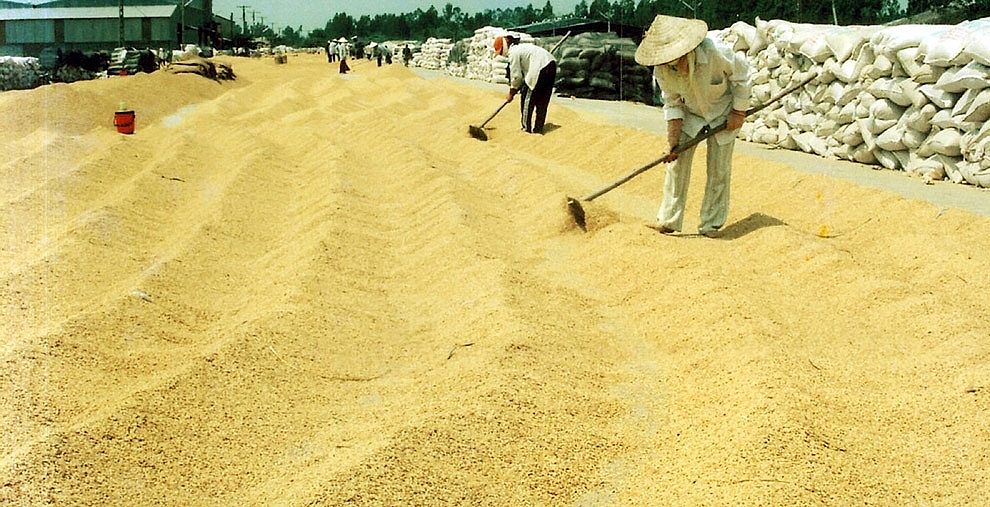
[703, 86]
[406, 54]
[532, 73]
[331, 51]
[377, 50]
[342, 55]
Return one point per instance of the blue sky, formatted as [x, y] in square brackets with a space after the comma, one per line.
[312, 14]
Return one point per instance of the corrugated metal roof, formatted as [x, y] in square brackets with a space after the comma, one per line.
[130, 11]
[579, 25]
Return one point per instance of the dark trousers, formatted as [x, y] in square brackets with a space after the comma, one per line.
[536, 101]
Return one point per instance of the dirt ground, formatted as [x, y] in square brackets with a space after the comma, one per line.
[303, 288]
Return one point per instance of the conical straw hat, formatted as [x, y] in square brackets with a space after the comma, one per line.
[670, 38]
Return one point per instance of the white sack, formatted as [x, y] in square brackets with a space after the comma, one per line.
[896, 38]
[974, 174]
[908, 58]
[912, 139]
[978, 44]
[847, 114]
[890, 88]
[929, 168]
[920, 119]
[910, 90]
[892, 159]
[944, 142]
[816, 48]
[951, 167]
[850, 134]
[979, 111]
[944, 47]
[957, 80]
[885, 109]
[844, 41]
[939, 97]
[864, 155]
[892, 139]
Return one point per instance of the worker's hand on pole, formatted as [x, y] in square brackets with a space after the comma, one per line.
[512, 93]
[735, 120]
[673, 137]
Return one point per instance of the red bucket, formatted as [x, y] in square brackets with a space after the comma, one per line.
[124, 121]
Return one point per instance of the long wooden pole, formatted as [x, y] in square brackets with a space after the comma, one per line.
[693, 142]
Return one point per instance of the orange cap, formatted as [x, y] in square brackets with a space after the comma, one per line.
[499, 44]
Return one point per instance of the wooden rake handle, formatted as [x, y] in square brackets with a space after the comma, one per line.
[493, 114]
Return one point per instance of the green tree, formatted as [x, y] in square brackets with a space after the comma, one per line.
[290, 37]
[424, 23]
[341, 25]
[547, 12]
[890, 11]
[919, 6]
[452, 26]
[600, 9]
[362, 27]
[581, 9]
[452, 22]
[624, 11]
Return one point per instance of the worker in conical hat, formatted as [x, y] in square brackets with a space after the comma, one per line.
[703, 85]
[532, 73]
[342, 53]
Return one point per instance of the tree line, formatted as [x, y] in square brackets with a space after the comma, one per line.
[453, 23]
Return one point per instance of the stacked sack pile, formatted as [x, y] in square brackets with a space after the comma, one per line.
[480, 62]
[433, 54]
[20, 73]
[601, 66]
[911, 97]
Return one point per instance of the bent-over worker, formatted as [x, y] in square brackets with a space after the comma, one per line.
[703, 85]
[532, 73]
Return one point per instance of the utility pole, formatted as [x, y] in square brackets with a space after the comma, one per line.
[182, 31]
[121, 23]
[244, 16]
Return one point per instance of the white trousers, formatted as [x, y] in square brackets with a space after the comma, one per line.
[715, 205]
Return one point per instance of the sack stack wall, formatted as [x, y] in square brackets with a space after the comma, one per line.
[911, 97]
[602, 66]
[20, 73]
[479, 61]
[433, 54]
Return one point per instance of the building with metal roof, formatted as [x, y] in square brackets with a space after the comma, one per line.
[93, 25]
[580, 25]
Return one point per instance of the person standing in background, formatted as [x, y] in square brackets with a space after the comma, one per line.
[342, 54]
[532, 74]
[703, 86]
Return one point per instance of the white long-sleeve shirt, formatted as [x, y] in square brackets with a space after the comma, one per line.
[525, 63]
[721, 83]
